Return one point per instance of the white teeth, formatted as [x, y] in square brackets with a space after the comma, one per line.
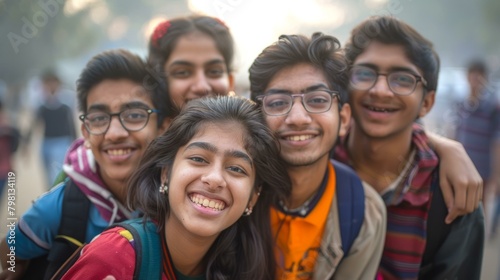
[299, 137]
[119, 152]
[381, 109]
[208, 203]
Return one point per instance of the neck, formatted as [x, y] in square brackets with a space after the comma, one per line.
[379, 161]
[187, 252]
[118, 189]
[475, 93]
[306, 180]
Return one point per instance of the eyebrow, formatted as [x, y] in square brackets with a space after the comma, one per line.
[391, 69]
[135, 104]
[187, 63]
[211, 148]
[129, 105]
[305, 90]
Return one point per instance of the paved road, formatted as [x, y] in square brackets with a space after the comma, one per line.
[30, 184]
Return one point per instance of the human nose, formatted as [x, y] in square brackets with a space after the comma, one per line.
[214, 177]
[116, 130]
[201, 85]
[381, 86]
[298, 114]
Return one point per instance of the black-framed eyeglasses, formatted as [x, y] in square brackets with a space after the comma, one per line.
[132, 119]
[316, 101]
[399, 82]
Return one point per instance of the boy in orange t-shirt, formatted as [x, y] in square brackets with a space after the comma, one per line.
[301, 84]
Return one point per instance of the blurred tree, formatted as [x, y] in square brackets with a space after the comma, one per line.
[491, 10]
[37, 33]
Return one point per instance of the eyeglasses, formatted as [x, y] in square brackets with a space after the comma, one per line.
[133, 119]
[399, 82]
[317, 101]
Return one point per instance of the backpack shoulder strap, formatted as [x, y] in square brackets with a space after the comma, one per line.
[351, 204]
[148, 256]
[75, 213]
[72, 229]
[147, 247]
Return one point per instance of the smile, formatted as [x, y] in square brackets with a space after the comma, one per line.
[207, 202]
[382, 110]
[119, 152]
[298, 137]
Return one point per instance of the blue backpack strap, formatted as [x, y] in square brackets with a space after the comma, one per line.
[148, 257]
[351, 204]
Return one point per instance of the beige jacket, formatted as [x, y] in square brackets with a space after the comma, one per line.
[363, 259]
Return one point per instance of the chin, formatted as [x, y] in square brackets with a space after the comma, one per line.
[375, 130]
[204, 232]
[119, 175]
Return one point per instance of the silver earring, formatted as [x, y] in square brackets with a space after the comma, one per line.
[164, 188]
[248, 211]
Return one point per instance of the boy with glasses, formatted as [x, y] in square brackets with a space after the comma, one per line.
[393, 79]
[301, 84]
[121, 116]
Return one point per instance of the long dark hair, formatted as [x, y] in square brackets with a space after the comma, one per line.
[245, 249]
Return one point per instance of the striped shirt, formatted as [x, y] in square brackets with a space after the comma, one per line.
[477, 128]
[407, 210]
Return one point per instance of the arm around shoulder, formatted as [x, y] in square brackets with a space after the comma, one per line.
[460, 182]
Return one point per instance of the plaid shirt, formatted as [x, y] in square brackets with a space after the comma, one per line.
[407, 210]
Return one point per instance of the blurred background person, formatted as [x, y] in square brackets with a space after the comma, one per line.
[58, 122]
[9, 141]
[478, 129]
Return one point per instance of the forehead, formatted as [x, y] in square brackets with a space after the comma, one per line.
[207, 127]
[385, 57]
[115, 93]
[297, 77]
[195, 47]
[227, 135]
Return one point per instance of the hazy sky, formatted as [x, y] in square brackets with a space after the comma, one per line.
[75, 30]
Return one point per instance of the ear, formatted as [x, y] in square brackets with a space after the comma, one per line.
[164, 126]
[254, 197]
[230, 77]
[84, 131]
[345, 119]
[427, 103]
[86, 137]
[164, 176]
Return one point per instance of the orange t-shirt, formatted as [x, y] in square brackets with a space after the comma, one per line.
[299, 239]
